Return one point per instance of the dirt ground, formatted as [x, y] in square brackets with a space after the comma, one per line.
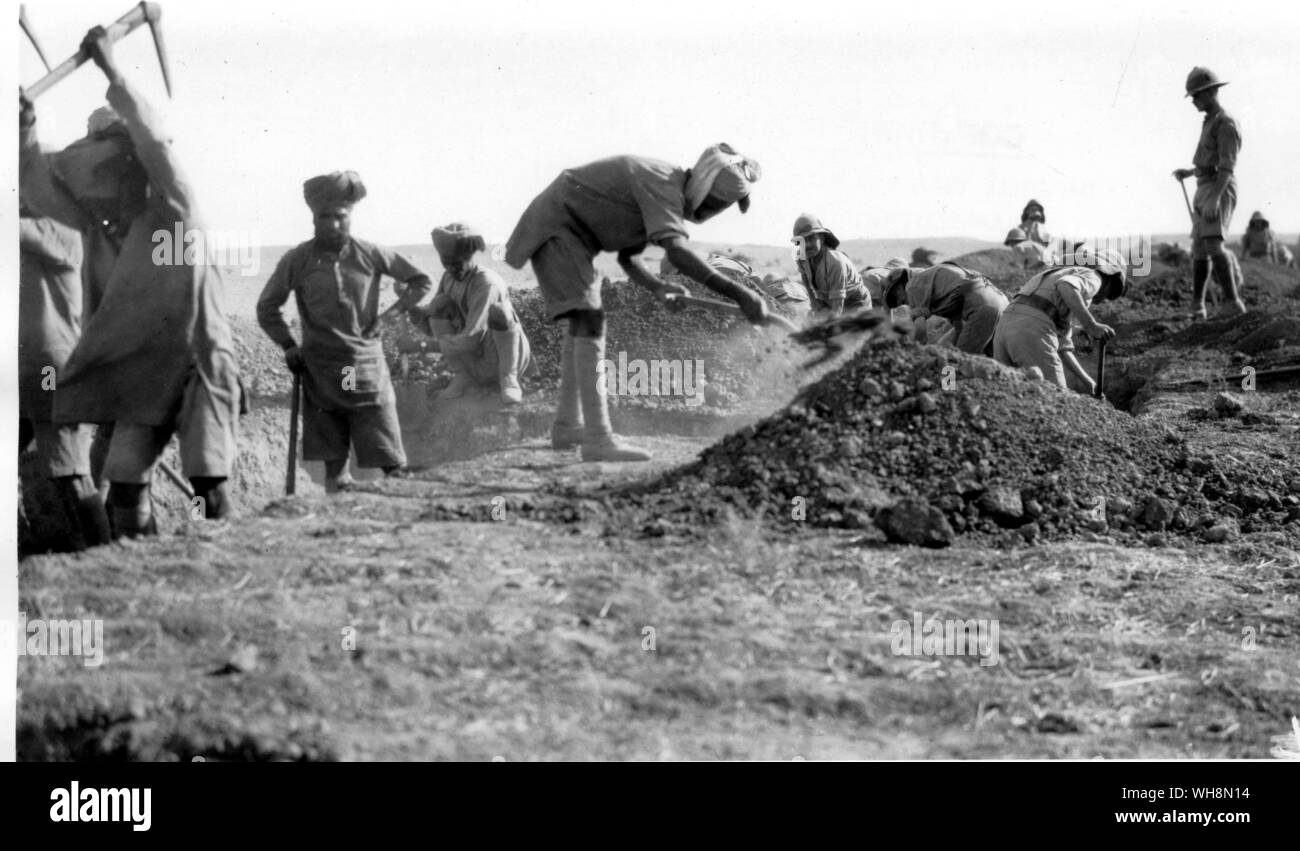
[500, 605]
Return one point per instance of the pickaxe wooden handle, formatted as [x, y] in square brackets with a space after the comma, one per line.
[145, 13]
[726, 307]
[31, 35]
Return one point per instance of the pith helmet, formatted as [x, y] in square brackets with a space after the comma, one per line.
[1201, 79]
[1014, 236]
[1257, 216]
[807, 224]
[1111, 262]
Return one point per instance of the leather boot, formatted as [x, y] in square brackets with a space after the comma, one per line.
[599, 442]
[1226, 271]
[217, 504]
[131, 507]
[1200, 277]
[87, 509]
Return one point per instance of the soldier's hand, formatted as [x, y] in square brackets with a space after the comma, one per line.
[100, 50]
[26, 113]
[753, 306]
[668, 293]
[1183, 173]
[1210, 212]
[294, 360]
[1102, 332]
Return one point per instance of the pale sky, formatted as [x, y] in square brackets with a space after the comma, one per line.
[923, 119]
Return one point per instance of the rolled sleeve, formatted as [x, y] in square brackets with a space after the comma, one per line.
[153, 148]
[399, 268]
[1228, 138]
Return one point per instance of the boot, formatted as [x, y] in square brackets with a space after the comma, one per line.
[509, 346]
[460, 377]
[217, 504]
[1200, 277]
[461, 383]
[86, 506]
[566, 431]
[131, 508]
[599, 442]
[1228, 272]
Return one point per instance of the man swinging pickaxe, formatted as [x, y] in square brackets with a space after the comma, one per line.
[145, 13]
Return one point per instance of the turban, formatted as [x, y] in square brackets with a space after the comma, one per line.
[723, 172]
[340, 189]
[457, 241]
[101, 119]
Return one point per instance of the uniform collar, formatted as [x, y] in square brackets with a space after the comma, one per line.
[343, 253]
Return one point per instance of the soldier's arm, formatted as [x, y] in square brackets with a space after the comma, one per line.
[1074, 301]
[397, 267]
[629, 260]
[694, 266]
[56, 244]
[270, 305]
[476, 322]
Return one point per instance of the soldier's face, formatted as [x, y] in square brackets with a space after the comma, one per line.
[457, 266]
[1204, 100]
[813, 244]
[333, 226]
[710, 207]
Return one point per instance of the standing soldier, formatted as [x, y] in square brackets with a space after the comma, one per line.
[155, 357]
[952, 292]
[832, 282]
[1215, 162]
[335, 278]
[49, 323]
[620, 204]
[1036, 330]
[472, 320]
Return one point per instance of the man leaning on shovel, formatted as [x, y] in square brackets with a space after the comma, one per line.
[335, 278]
[1212, 207]
[621, 204]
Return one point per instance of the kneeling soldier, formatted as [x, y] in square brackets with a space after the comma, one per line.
[1035, 331]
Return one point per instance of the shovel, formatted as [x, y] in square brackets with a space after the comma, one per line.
[727, 307]
[291, 474]
[1097, 390]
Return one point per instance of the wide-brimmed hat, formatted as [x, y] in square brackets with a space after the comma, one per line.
[1202, 78]
[807, 224]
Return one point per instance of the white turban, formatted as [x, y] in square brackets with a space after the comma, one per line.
[725, 173]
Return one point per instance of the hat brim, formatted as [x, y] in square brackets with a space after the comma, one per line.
[1206, 88]
[831, 240]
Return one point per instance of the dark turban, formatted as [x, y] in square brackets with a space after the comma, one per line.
[342, 188]
[457, 241]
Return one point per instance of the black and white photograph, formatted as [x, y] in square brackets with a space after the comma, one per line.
[690, 382]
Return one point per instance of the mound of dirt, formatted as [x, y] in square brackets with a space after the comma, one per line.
[999, 266]
[929, 443]
[740, 363]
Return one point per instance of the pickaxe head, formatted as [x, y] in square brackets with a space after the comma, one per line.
[153, 14]
[31, 35]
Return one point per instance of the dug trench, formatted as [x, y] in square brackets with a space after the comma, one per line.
[512, 602]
